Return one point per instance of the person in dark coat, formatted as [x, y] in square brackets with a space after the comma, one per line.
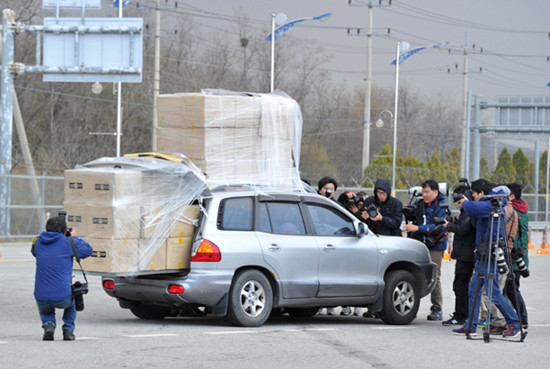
[463, 252]
[389, 210]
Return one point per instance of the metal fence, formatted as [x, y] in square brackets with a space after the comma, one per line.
[27, 215]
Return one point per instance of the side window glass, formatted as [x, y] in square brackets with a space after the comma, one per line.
[328, 222]
[237, 214]
[265, 223]
[286, 218]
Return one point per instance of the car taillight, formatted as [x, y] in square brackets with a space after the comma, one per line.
[175, 289]
[207, 251]
[109, 284]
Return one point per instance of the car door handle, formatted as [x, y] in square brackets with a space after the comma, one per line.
[274, 247]
[329, 248]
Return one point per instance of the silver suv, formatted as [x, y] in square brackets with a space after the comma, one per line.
[257, 253]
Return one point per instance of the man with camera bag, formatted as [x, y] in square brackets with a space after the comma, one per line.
[487, 203]
[384, 212]
[54, 264]
[433, 235]
[520, 253]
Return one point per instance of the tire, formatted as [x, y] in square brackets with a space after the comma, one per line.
[302, 312]
[401, 299]
[250, 299]
[149, 312]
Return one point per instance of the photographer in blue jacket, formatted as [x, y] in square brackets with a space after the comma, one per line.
[487, 200]
[54, 264]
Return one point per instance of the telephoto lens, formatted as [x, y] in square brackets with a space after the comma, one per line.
[501, 262]
[524, 271]
[79, 289]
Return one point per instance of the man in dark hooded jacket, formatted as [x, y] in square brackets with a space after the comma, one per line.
[389, 210]
[54, 264]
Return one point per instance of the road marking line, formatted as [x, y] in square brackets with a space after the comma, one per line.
[3, 341]
[236, 332]
[87, 338]
[150, 335]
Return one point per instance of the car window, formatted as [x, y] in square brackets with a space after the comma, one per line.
[328, 222]
[281, 218]
[237, 214]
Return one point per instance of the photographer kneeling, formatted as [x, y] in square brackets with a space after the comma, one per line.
[54, 265]
[382, 212]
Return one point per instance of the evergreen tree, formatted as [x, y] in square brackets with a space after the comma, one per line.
[504, 171]
[522, 167]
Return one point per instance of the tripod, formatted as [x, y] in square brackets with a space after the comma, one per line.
[486, 272]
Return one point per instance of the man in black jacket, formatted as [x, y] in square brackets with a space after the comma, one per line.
[386, 210]
[463, 253]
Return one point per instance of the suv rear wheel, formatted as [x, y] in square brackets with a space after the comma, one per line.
[401, 300]
[250, 299]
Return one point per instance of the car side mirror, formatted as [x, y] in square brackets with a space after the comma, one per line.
[361, 230]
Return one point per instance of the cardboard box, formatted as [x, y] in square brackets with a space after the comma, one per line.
[152, 254]
[76, 188]
[163, 223]
[113, 222]
[111, 256]
[192, 110]
[109, 185]
[178, 252]
[76, 217]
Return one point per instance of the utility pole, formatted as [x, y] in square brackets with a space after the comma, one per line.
[156, 77]
[465, 107]
[368, 81]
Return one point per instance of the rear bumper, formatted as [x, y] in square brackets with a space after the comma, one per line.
[201, 287]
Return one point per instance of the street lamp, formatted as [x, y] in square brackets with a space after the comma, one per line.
[380, 123]
[402, 54]
[280, 20]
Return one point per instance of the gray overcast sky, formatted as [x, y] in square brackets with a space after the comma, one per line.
[513, 35]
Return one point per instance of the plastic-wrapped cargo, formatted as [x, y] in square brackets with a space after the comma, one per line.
[138, 213]
[234, 137]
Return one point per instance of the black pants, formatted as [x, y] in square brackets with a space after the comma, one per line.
[511, 290]
[463, 275]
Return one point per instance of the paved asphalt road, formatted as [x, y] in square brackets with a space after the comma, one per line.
[110, 337]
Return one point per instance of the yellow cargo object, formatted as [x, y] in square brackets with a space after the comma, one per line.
[169, 157]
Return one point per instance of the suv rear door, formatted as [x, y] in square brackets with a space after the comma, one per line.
[286, 246]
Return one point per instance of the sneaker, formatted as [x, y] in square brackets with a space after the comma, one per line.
[462, 331]
[330, 311]
[68, 335]
[49, 329]
[368, 314]
[512, 332]
[481, 323]
[496, 329]
[453, 321]
[436, 314]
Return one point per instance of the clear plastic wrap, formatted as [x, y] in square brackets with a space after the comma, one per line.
[137, 213]
[234, 137]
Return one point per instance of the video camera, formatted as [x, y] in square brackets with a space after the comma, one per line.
[410, 211]
[63, 214]
[467, 190]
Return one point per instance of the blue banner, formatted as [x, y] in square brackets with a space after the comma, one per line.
[410, 53]
[285, 27]
[115, 3]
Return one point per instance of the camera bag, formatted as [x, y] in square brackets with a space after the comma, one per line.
[79, 289]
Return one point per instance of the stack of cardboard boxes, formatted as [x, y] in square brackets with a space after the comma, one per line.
[233, 138]
[130, 222]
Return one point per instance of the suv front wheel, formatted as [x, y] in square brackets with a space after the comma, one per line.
[401, 300]
[250, 299]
